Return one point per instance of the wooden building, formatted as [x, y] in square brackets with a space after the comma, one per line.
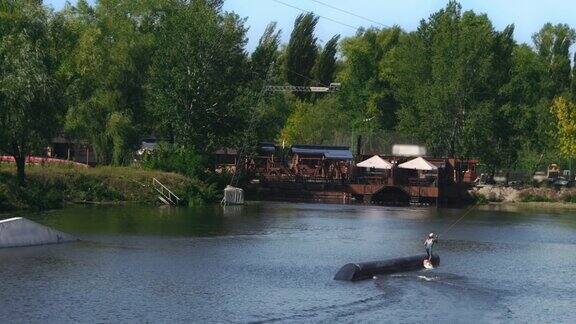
[321, 162]
[328, 174]
[225, 160]
[79, 151]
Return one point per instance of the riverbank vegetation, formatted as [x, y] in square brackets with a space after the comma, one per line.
[118, 71]
[52, 186]
[497, 194]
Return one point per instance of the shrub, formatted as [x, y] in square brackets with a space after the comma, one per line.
[173, 158]
[535, 198]
[205, 185]
[568, 195]
[50, 186]
[481, 199]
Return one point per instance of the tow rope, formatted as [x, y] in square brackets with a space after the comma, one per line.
[459, 219]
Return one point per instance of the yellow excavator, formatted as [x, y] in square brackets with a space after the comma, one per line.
[553, 171]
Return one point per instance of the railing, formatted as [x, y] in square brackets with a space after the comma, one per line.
[422, 182]
[165, 193]
[303, 179]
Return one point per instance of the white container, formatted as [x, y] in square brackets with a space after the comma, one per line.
[233, 196]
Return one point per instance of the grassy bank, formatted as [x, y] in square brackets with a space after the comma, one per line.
[52, 186]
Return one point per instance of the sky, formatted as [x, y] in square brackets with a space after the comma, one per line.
[528, 16]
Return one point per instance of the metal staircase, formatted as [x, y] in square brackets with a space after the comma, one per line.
[166, 196]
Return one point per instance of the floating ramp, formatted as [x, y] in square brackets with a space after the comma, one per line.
[367, 270]
[20, 231]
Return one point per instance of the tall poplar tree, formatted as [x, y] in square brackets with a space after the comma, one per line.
[301, 51]
[326, 63]
[266, 52]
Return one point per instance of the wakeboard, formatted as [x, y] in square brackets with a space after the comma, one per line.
[427, 264]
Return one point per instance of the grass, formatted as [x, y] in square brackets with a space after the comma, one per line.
[52, 186]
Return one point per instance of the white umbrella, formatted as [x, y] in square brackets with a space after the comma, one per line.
[375, 162]
[418, 164]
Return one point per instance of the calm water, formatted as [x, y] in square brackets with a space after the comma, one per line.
[275, 262]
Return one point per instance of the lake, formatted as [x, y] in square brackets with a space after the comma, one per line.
[268, 262]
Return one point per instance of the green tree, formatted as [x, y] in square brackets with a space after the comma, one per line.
[449, 76]
[322, 122]
[120, 130]
[266, 52]
[301, 51]
[366, 78]
[104, 71]
[553, 44]
[573, 79]
[28, 114]
[528, 106]
[326, 63]
[195, 75]
[565, 113]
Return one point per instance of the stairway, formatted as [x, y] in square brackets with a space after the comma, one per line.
[165, 195]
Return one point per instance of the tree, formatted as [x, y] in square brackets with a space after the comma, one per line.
[195, 75]
[528, 107]
[121, 132]
[326, 63]
[301, 51]
[104, 70]
[266, 52]
[449, 75]
[553, 44]
[28, 115]
[367, 79]
[565, 113]
[573, 80]
[322, 122]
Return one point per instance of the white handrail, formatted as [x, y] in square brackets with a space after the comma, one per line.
[164, 188]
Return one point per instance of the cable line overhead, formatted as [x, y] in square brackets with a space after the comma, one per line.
[350, 13]
[324, 17]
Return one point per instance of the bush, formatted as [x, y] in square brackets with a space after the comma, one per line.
[172, 158]
[50, 186]
[33, 195]
[89, 189]
[535, 198]
[481, 199]
[205, 185]
[568, 195]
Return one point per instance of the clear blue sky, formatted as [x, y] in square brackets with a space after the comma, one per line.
[527, 15]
